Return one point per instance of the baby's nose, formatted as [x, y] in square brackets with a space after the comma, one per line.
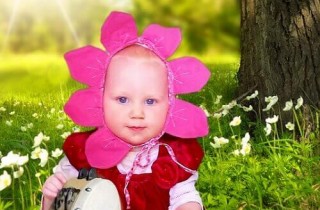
[137, 111]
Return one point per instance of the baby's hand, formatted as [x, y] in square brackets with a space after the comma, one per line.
[53, 185]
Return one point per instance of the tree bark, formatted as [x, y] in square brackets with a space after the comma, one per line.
[280, 49]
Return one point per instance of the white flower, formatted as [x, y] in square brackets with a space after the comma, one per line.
[232, 104]
[5, 180]
[56, 153]
[23, 128]
[220, 140]
[288, 106]
[43, 157]
[252, 96]
[272, 120]
[271, 100]
[17, 174]
[268, 129]
[16, 103]
[22, 160]
[246, 147]
[30, 125]
[2, 109]
[35, 115]
[217, 115]
[9, 122]
[245, 139]
[236, 121]
[41, 154]
[13, 159]
[10, 160]
[215, 145]
[299, 103]
[60, 126]
[35, 153]
[12, 113]
[247, 109]
[46, 138]
[39, 138]
[236, 152]
[228, 107]
[65, 134]
[52, 110]
[225, 112]
[245, 150]
[218, 99]
[290, 126]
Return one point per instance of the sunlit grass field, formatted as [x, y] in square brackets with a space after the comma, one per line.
[244, 168]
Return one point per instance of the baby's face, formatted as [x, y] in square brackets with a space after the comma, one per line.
[136, 99]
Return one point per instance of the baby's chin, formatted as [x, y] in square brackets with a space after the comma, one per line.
[138, 141]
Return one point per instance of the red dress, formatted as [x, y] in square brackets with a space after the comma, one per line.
[149, 190]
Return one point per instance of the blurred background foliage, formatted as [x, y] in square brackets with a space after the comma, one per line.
[209, 27]
[34, 35]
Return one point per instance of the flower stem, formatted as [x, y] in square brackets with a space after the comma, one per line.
[298, 123]
[13, 191]
[32, 201]
[22, 196]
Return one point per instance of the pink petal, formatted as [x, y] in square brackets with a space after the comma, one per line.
[85, 107]
[118, 30]
[165, 40]
[186, 120]
[190, 75]
[105, 150]
[87, 65]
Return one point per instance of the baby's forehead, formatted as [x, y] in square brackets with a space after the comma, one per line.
[137, 51]
[143, 77]
[136, 63]
[122, 65]
[136, 70]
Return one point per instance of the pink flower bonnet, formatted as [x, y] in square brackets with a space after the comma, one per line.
[89, 65]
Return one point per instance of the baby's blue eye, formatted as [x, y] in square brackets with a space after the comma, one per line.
[122, 100]
[150, 101]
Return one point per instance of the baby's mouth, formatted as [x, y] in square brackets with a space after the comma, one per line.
[136, 128]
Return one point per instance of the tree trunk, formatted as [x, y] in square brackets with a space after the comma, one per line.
[280, 49]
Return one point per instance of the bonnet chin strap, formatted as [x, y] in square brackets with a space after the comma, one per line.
[138, 163]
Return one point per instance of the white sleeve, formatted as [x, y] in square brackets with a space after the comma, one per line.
[184, 192]
[65, 167]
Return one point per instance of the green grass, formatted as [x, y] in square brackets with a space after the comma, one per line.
[33, 90]
[35, 77]
[280, 172]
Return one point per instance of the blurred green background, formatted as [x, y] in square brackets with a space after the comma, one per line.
[34, 35]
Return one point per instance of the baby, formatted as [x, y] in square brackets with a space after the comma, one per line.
[144, 141]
